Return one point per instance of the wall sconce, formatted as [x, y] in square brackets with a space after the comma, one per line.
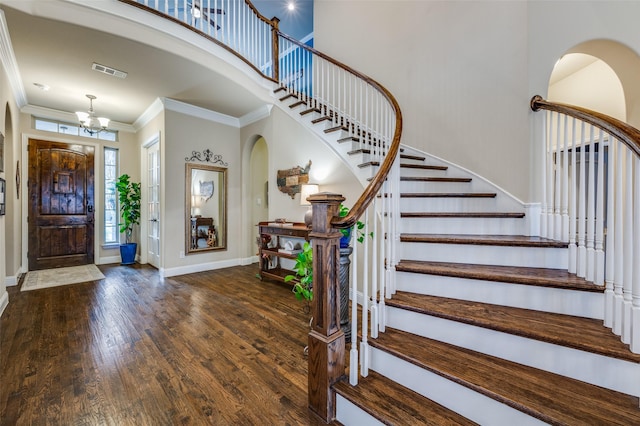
[305, 191]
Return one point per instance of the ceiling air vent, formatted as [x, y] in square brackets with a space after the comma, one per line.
[108, 70]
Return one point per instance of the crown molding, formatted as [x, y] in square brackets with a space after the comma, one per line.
[203, 113]
[10, 64]
[256, 115]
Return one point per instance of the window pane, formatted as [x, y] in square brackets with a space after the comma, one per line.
[110, 197]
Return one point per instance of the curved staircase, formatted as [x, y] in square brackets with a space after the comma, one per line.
[485, 325]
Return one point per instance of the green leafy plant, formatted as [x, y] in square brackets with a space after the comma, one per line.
[129, 197]
[303, 279]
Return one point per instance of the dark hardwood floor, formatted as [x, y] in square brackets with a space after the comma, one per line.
[218, 347]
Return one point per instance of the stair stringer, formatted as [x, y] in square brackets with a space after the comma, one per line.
[608, 372]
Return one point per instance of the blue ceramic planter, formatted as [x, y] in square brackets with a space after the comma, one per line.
[128, 253]
[345, 239]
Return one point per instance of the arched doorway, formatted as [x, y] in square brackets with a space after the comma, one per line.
[256, 189]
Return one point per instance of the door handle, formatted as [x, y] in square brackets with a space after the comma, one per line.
[90, 208]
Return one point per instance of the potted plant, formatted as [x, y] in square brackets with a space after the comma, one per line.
[303, 285]
[129, 197]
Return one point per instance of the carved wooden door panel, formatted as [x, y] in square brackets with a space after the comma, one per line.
[61, 204]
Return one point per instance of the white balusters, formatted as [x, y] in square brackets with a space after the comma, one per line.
[598, 277]
[635, 287]
[582, 209]
[546, 117]
[573, 248]
[619, 246]
[610, 243]
[564, 182]
[628, 247]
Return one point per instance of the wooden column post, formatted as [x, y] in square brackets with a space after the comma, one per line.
[275, 48]
[326, 339]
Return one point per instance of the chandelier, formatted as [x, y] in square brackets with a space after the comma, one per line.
[89, 122]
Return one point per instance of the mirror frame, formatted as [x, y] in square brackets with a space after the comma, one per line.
[189, 168]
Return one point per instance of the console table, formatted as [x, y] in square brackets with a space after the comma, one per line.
[272, 236]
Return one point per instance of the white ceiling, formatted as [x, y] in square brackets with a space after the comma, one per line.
[60, 55]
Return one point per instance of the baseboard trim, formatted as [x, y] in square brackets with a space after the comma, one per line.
[201, 267]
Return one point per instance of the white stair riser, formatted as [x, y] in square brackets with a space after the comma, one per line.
[610, 373]
[465, 225]
[533, 257]
[439, 187]
[348, 413]
[447, 204]
[466, 402]
[559, 301]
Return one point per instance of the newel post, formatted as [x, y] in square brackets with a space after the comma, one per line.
[275, 48]
[326, 339]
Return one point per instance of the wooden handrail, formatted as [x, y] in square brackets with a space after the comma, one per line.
[622, 131]
[374, 186]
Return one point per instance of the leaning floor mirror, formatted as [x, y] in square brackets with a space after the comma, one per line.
[206, 208]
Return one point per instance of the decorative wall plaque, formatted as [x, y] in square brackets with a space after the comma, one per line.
[290, 180]
[206, 156]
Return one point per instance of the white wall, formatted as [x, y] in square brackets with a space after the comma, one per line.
[184, 134]
[464, 71]
[458, 70]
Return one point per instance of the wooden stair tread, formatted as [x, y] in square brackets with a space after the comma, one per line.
[448, 195]
[309, 111]
[548, 327]
[297, 104]
[336, 129]
[422, 166]
[483, 240]
[543, 277]
[433, 179]
[320, 119]
[412, 157]
[547, 396]
[394, 404]
[495, 215]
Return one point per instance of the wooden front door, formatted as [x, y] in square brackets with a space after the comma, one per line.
[61, 204]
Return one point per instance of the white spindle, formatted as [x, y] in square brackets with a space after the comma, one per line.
[618, 282]
[628, 248]
[599, 238]
[564, 181]
[610, 243]
[364, 350]
[557, 217]
[374, 274]
[573, 248]
[353, 296]
[635, 287]
[582, 208]
[545, 175]
[591, 208]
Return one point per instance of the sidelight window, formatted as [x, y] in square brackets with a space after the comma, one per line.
[110, 196]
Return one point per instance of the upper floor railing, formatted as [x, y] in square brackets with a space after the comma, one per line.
[369, 118]
[591, 200]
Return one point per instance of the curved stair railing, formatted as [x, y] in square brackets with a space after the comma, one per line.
[365, 115]
[591, 199]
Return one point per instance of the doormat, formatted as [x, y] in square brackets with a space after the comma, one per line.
[45, 278]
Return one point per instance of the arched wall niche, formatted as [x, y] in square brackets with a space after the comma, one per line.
[600, 75]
